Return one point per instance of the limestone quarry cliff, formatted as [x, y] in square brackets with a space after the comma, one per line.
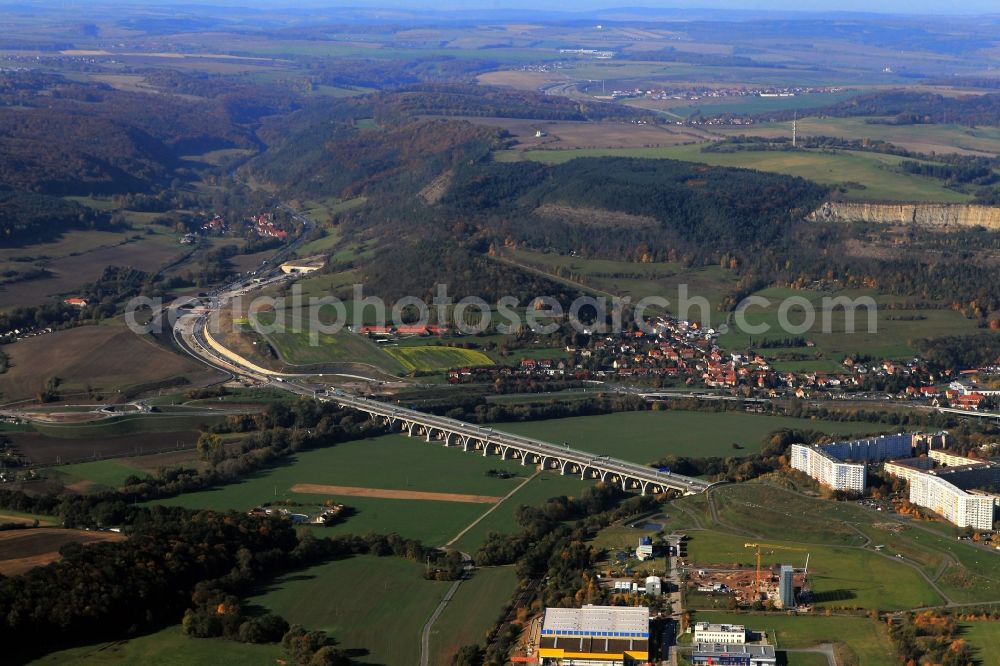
[942, 216]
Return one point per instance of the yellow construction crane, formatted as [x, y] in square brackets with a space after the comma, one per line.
[758, 547]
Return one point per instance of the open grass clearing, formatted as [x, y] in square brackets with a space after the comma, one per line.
[434, 358]
[645, 437]
[938, 138]
[377, 604]
[983, 637]
[890, 336]
[534, 493]
[298, 349]
[472, 612]
[93, 476]
[621, 278]
[866, 638]
[168, 647]
[390, 462]
[878, 173]
[763, 512]
[840, 577]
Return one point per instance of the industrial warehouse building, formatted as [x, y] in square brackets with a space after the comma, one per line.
[827, 462]
[595, 636]
[733, 655]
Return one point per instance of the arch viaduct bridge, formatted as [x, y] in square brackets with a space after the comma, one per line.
[563, 459]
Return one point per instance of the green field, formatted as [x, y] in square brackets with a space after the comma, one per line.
[472, 612]
[378, 604]
[341, 347]
[391, 462]
[169, 647]
[100, 475]
[663, 279]
[434, 358]
[983, 637]
[839, 577]
[878, 173]
[841, 537]
[534, 493]
[939, 138]
[890, 337]
[805, 659]
[867, 639]
[645, 437]
[132, 424]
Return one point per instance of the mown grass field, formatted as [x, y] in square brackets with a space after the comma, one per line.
[839, 577]
[434, 358]
[620, 278]
[378, 604]
[879, 174]
[866, 638]
[835, 533]
[919, 138]
[169, 647]
[472, 612]
[535, 493]
[805, 659]
[890, 336]
[983, 637]
[94, 476]
[645, 437]
[340, 347]
[391, 462]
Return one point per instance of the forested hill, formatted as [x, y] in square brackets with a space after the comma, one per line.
[492, 102]
[414, 269]
[59, 136]
[346, 147]
[340, 159]
[670, 205]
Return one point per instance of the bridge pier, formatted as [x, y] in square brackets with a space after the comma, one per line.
[451, 432]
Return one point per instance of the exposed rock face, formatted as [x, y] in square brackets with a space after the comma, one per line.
[940, 216]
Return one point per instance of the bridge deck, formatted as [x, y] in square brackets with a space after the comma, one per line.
[583, 461]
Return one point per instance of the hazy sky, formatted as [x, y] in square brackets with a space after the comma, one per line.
[881, 6]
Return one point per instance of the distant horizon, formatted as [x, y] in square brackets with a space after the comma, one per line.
[816, 7]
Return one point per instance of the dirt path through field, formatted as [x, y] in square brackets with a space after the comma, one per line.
[386, 493]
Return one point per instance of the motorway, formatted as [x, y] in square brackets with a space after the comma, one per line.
[189, 334]
[566, 456]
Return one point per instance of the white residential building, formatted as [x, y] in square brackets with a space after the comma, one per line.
[965, 509]
[826, 469]
[827, 462]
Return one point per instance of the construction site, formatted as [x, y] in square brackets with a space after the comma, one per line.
[768, 580]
